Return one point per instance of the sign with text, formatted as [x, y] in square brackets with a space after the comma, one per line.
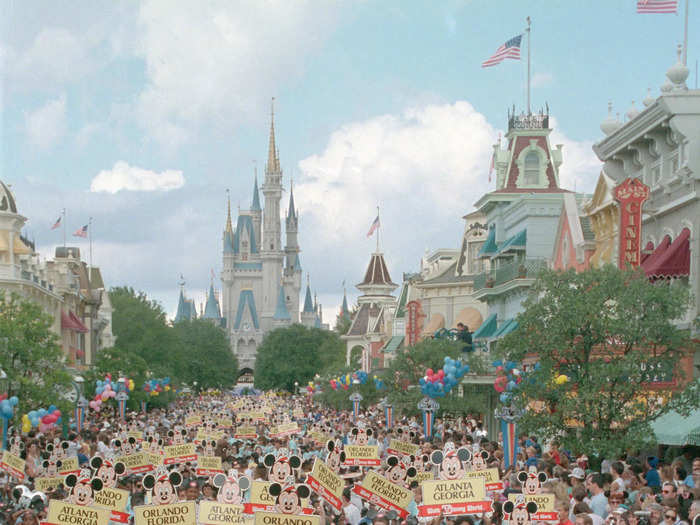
[138, 463]
[47, 484]
[545, 505]
[326, 483]
[273, 518]
[215, 513]
[224, 422]
[631, 194]
[361, 455]
[246, 432]
[319, 437]
[490, 476]
[62, 513]
[193, 421]
[182, 513]
[381, 492]
[13, 465]
[115, 500]
[69, 466]
[209, 466]
[423, 476]
[453, 497]
[260, 497]
[402, 448]
[285, 429]
[179, 454]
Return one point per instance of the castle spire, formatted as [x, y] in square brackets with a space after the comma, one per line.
[229, 225]
[273, 161]
[291, 213]
[256, 195]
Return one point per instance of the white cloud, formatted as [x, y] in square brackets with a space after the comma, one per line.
[580, 169]
[221, 60]
[46, 125]
[132, 178]
[542, 79]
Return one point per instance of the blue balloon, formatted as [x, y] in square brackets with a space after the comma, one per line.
[58, 421]
[52, 408]
[42, 412]
[14, 401]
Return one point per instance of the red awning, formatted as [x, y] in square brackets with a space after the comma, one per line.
[79, 352]
[674, 261]
[660, 249]
[647, 251]
[80, 327]
[69, 321]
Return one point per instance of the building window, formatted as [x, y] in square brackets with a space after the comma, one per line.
[532, 168]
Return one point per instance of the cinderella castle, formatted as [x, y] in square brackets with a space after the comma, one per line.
[261, 278]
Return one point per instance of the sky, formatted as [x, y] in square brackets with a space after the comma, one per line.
[142, 114]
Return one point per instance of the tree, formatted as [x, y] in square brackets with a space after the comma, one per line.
[209, 361]
[410, 364]
[30, 355]
[294, 354]
[596, 335]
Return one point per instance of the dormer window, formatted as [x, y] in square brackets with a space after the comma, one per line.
[532, 168]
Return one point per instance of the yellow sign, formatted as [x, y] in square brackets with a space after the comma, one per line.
[136, 434]
[272, 518]
[386, 490]
[62, 513]
[402, 448]
[490, 476]
[319, 437]
[13, 465]
[69, 466]
[112, 499]
[224, 422]
[182, 513]
[179, 454]
[441, 492]
[215, 513]
[545, 502]
[246, 432]
[138, 463]
[423, 476]
[260, 493]
[326, 483]
[208, 465]
[361, 455]
[285, 429]
[47, 484]
[193, 421]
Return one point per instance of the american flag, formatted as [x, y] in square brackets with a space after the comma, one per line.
[511, 49]
[81, 232]
[374, 226]
[56, 224]
[657, 6]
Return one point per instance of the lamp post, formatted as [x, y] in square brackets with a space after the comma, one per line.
[356, 397]
[296, 387]
[122, 397]
[80, 402]
[509, 416]
[4, 387]
[429, 407]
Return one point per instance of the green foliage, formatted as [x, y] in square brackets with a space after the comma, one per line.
[410, 364]
[30, 355]
[600, 328]
[295, 354]
[207, 355]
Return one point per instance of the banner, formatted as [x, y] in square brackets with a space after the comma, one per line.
[138, 463]
[380, 491]
[319, 437]
[62, 513]
[13, 465]
[402, 448]
[490, 476]
[182, 513]
[389, 416]
[453, 497]
[47, 484]
[215, 513]
[286, 429]
[260, 498]
[361, 455]
[545, 506]
[326, 483]
[246, 432]
[115, 500]
[209, 466]
[69, 466]
[224, 422]
[193, 421]
[179, 454]
[273, 518]
[203, 435]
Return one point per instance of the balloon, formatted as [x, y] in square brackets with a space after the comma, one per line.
[561, 379]
[429, 372]
[105, 395]
[43, 428]
[26, 427]
[93, 404]
[14, 401]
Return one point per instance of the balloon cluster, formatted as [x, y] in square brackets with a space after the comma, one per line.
[509, 377]
[378, 383]
[311, 387]
[7, 406]
[346, 381]
[439, 384]
[155, 386]
[44, 419]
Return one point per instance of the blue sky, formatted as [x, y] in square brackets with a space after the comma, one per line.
[142, 114]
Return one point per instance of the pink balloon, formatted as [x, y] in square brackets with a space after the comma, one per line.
[93, 404]
[112, 393]
[43, 428]
[441, 373]
[57, 412]
[429, 372]
[105, 395]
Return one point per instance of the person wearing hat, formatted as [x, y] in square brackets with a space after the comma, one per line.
[652, 475]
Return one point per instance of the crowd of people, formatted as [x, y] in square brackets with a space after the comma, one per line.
[626, 490]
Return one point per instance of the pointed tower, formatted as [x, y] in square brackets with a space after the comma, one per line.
[186, 309]
[344, 310]
[271, 246]
[292, 270]
[307, 315]
[256, 210]
[227, 274]
[281, 317]
[211, 310]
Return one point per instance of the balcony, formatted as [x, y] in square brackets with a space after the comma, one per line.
[518, 269]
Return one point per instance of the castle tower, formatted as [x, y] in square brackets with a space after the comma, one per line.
[227, 271]
[308, 315]
[292, 270]
[271, 252]
[256, 211]
[281, 317]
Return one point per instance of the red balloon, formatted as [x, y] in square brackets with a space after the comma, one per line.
[429, 372]
[441, 373]
[57, 413]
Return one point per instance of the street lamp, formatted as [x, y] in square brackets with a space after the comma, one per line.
[122, 397]
[296, 387]
[509, 415]
[355, 398]
[429, 407]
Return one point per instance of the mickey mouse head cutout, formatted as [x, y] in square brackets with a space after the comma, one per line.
[82, 488]
[335, 457]
[451, 461]
[532, 480]
[154, 443]
[51, 465]
[231, 487]
[405, 434]
[420, 462]
[209, 447]
[107, 470]
[163, 486]
[282, 467]
[16, 446]
[288, 499]
[479, 459]
[361, 435]
[398, 471]
[520, 513]
[57, 449]
[177, 435]
[125, 446]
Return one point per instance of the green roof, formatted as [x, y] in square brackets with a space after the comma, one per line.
[516, 242]
[393, 344]
[507, 327]
[677, 430]
[487, 328]
[489, 247]
[401, 310]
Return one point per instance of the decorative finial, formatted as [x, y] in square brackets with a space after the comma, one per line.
[648, 100]
[678, 72]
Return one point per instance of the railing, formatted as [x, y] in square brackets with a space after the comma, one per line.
[533, 121]
[518, 269]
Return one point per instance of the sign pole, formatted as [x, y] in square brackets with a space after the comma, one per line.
[429, 407]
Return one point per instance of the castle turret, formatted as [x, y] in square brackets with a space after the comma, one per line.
[308, 315]
[227, 271]
[256, 211]
[281, 317]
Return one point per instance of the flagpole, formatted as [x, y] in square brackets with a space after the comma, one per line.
[90, 241]
[379, 227]
[685, 35]
[64, 228]
[529, 46]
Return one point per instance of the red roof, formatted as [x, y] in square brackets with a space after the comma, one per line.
[674, 261]
[70, 321]
[649, 248]
[661, 248]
